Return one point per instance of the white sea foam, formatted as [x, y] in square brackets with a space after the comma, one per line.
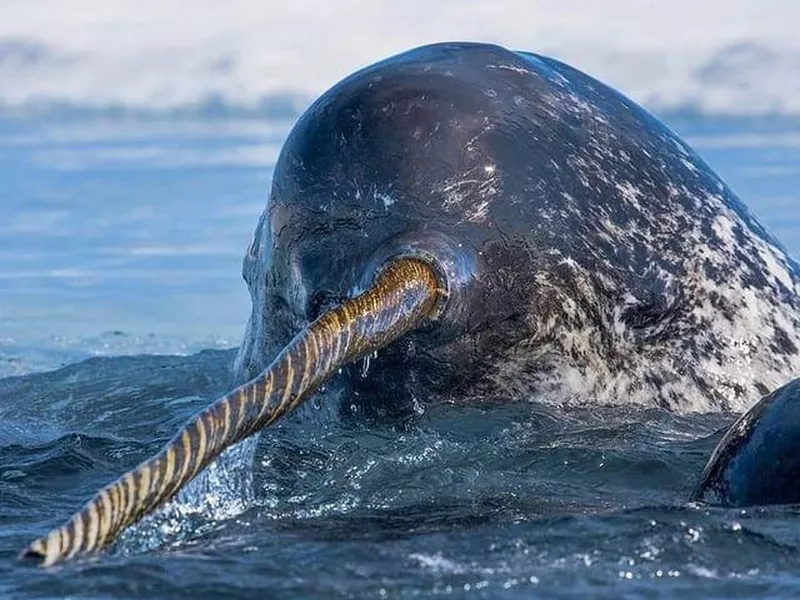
[717, 56]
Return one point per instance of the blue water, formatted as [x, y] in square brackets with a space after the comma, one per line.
[126, 236]
[120, 254]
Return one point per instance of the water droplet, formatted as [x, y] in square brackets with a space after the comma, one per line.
[365, 366]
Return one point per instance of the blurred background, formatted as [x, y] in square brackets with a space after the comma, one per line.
[731, 57]
[137, 138]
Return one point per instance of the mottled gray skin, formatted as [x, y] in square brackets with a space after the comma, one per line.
[590, 254]
[758, 460]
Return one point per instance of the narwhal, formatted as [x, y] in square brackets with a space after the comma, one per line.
[484, 224]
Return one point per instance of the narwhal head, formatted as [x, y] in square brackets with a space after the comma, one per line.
[398, 160]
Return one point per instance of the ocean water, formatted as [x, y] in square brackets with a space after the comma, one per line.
[137, 141]
[126, 235]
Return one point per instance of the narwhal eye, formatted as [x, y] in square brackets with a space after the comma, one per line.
[320, 301]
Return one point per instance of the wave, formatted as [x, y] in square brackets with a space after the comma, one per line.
[721, 57]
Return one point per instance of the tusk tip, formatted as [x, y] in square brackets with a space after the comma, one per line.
[35, 553]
